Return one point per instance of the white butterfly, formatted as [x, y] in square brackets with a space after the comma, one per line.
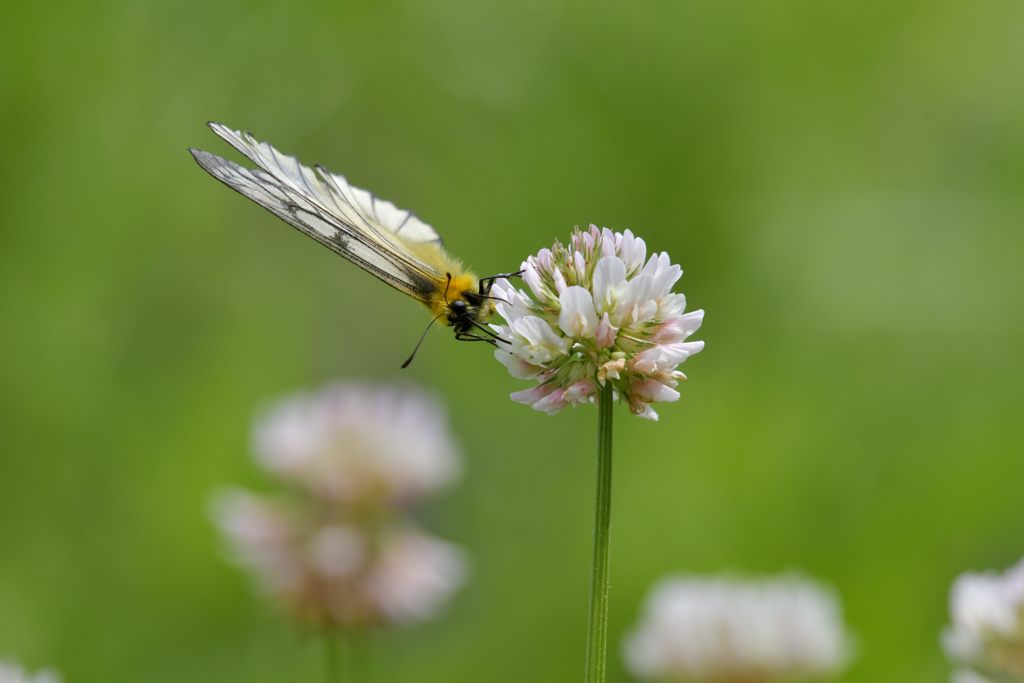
[388, 242]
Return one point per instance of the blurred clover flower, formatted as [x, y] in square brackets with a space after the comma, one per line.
[987, 633]
[12, 672]
[339, 552]
[968, 676]
[331, 571]
[358, 444]
[601, 312]
[721, 630]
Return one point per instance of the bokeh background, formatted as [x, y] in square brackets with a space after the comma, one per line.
[841, 182]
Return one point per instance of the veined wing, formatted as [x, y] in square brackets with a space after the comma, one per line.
[342, 232]
[332, 191]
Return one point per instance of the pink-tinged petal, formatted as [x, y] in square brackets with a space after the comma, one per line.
[674, 354]
[658, 264]
[679, 328]
[607, 242]
[503, 331]
[535, 341]
[606, 333]
[517, 366]
[536, 332]
[551, 403]
[664, 357]
[580, 391]
[513, 303]
[692, 321]
[667, 275]
[590, 239]
[544, 258]
[609, 283]
[559, 279]
[651, 391]
[577, 317]
[635, 300]
[692, 348]
[502, 289]
[646, 362]
[671, 305]
[533, 394]
[580, 264]
[532, 278]
[632, 249]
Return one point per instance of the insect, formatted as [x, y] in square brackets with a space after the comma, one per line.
[390, 243]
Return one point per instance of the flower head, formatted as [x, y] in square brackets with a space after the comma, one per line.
[12, 672]
[352, 443]
[340, 551]
[601, 311]
[987, 633]
[328, 570]
[717, 630]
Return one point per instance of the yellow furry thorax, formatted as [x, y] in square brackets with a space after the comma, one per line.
[448, 291]
[462, 282]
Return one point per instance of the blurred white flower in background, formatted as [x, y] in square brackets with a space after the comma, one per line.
[415, 575]
[724, 630]
[12, 672]
[331, 572]
[353, 442]
[340, 551]
[967, 676]
[987, 633]
[601, 311]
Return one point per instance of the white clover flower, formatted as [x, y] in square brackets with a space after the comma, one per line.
[415, 575]
[987, 633]
[968, 676]
[353, 443]
[331, 571]
[12, 672]
[601, 311]
[720, 630]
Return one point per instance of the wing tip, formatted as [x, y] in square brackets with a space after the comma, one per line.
[229, 134]
[203, 158]
[206, 160]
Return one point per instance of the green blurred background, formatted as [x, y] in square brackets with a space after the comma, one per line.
[841, 182]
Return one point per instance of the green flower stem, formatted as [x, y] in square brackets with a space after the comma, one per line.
[338, 657]
[597, 623]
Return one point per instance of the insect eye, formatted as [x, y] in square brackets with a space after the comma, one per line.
[459, 305]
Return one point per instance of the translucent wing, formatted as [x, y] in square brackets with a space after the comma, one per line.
[372, 233]
[331, 190]
[343, 233]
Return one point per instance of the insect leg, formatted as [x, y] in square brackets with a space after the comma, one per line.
[488, 282]
[491, 333]
[462, 336]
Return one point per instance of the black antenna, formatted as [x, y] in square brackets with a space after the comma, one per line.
[422, 337]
